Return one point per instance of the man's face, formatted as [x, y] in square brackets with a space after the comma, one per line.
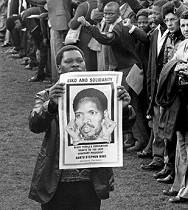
[172, 22]
[72, 61]
[88, 118]
[184, 27]
[156, 11]
[152, 22]
[18, 25]
[142, 22]
[111, 14]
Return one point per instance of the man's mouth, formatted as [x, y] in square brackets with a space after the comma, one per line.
[76, 69]
[86, 128]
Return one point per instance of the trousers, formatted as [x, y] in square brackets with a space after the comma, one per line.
[79, 195]
[181, 166]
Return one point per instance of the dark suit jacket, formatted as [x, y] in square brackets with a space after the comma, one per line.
[155, 64]
[47, 174]
[121, 42]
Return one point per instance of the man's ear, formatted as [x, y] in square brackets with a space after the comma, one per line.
[106, 113]
[17, 21]
[59, 69]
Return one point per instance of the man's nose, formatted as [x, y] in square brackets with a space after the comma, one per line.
[153, 25]
[86, 119]
[75, 63]
[186, 28]
[169, 24]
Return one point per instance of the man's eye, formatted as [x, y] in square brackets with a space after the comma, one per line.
[93, 113]
[109, 14]
[68, 61]
[79, 60]
[78, 116]
[142, 22]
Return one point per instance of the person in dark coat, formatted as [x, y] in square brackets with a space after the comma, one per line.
[171, 18]
[121, 39]
[173, 88]
[155, 64]
[18, 22]
[84, 9]
[74, 188]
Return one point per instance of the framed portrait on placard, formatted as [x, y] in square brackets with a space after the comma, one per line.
[90, 120]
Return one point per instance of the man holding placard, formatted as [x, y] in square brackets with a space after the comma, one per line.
[58, 189]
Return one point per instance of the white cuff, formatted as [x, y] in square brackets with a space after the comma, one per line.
[132, 29]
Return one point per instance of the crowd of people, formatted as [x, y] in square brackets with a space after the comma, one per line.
[146, 40]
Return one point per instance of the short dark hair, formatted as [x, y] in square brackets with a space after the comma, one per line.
[144, 3]
[113, 4]
[65, 48]
[142, 12]
[168, 8]
[10, 22]
[184, 15]
[160, 3]
[94, 95]
[104, 2]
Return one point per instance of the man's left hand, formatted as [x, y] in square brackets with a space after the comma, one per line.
[123, 95]
[127, 23]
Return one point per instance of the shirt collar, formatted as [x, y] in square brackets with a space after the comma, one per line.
[113, 24]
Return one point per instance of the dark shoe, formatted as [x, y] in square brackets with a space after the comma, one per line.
[143, 154]
[2, 35]
[167, 180]
[49, 85]
[7, 44]
[129, 143]
[14, 56]
[36, 79]
[162, 174]
[35, 64]
[47, 81]
[137, 147]
[152, 166]
[28, 67]
[177, 199]
[25, 62]
[11, 51]
[170, 193]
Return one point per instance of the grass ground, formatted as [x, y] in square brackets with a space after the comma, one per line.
[135, 189]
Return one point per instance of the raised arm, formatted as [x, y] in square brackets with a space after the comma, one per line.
[40, 117]
[46, 108]
[134, 5]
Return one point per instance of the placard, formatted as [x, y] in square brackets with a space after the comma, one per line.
[90, 120]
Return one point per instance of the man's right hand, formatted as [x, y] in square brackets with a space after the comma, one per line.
[55, 92]
[83, 21]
